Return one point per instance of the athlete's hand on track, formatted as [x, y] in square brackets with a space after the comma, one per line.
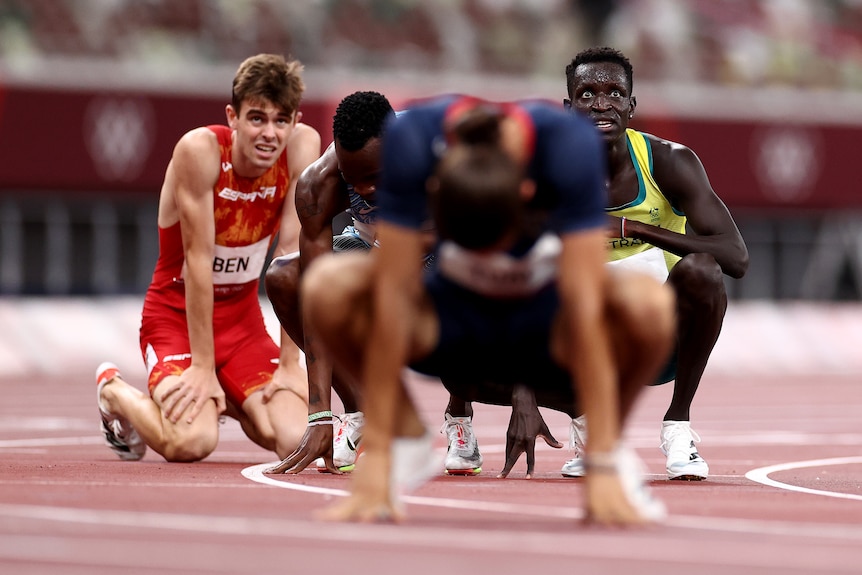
[525, 425]
[371, 498]
[606, 502]
[316, 442]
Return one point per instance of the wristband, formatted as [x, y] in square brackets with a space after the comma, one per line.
[623, 227]
[319, 415]
[601, 463]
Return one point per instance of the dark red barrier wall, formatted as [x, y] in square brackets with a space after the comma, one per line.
[773, 165]
[95, 141]
[98, 141]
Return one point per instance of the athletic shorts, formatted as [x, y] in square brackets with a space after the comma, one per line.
[488, 345]
[246, 355]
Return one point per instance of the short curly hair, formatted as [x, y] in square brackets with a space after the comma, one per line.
[599, 55]
[360, 117]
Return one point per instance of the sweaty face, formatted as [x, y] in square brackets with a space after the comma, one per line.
[600, 91]
[360, 168]
[262, 131]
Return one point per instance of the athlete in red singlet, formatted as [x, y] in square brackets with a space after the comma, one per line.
[228, 193]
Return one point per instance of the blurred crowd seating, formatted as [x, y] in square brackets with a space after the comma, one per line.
[810, 43]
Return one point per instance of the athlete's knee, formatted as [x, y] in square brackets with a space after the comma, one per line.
[289, 439]
[697, 272]
[282, 276]
[697, 279]
[190, 448]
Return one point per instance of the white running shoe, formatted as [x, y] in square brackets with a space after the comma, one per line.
[683, 460]
[119, 434]
[345, 442]
[462, 457]
[574, 467]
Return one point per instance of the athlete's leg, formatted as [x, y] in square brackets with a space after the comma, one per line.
[641, 315]
[179, 441]
[282, 288]
[337, 300]
[278, 424]
[701, 304]
[642, 324]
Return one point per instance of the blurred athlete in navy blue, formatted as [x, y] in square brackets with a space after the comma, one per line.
[344, 179]
[520, 295]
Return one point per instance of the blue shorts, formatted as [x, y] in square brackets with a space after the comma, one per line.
[488, 345]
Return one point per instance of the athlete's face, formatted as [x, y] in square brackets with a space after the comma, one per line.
[600, 91]
[360, 168]
[261, 131]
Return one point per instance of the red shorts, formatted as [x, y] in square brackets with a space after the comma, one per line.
[245, 354]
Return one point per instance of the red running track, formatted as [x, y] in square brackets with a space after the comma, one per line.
[784, 496]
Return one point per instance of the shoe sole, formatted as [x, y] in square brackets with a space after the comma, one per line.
[572, 475]
[468, 472]
[687, 477]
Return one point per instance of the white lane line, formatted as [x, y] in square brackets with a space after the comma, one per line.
[256, 473]
[761, 475]
[818, 530]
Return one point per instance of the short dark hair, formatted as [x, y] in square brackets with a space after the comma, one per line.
[600, 54]
[360, 117]
[475, 191]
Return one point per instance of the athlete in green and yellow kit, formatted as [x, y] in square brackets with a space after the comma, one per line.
[667, 219]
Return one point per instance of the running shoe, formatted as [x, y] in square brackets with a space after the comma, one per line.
[574, 467]
[683, 460]
[462, 457]
[119, 434]
[345, 443]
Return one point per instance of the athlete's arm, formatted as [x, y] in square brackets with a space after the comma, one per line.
[303, 148]
[682, 178]
[320, 196]
[193, 171]
[397, 291]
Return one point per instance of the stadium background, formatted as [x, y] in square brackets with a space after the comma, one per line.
[94, 94]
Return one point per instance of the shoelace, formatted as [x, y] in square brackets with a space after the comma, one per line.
[455, 432]
[675, 432]
[576, 442]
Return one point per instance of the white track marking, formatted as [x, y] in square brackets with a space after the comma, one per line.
[830, 531]
[761, 475]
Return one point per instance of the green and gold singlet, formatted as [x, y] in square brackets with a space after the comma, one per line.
[650, 206]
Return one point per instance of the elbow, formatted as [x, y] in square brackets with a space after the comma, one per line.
[739, 265]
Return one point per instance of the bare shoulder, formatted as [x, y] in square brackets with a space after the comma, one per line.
[304, 136]
[320, 191]
[322, 169]
[196, 159]
[667, 153]
[198, 139]
[196, 149]
[303, 148]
